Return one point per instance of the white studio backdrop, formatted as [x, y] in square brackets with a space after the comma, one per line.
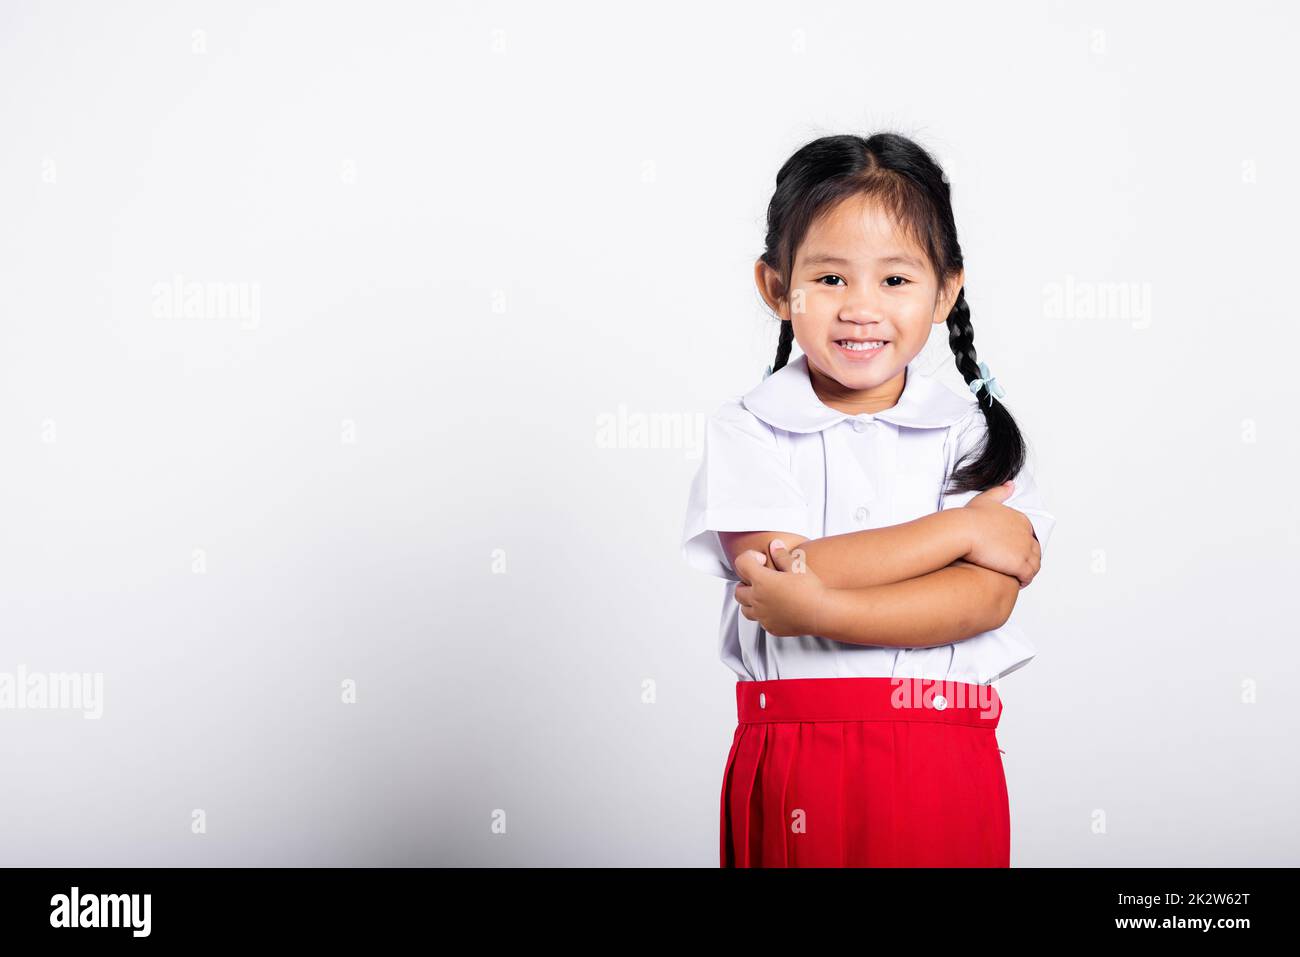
[326, 332]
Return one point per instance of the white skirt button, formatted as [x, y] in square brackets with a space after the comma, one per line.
[762, 700]
[940, 702]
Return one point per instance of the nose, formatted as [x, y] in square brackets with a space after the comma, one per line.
[865, 306]
[862, 313]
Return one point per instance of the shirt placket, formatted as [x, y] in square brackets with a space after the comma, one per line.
[874, 448]
[876, 454]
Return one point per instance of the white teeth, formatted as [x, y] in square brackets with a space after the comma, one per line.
[859, 346]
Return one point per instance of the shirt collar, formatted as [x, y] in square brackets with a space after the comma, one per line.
[786, 400]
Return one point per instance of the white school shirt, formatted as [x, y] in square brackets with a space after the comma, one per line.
[778, 459]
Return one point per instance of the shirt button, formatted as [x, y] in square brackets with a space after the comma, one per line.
[940, 702]
[859, 425]
[762, 700]
[862, 514]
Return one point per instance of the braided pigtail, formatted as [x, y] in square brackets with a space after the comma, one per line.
[1002, 454]
[784, 344]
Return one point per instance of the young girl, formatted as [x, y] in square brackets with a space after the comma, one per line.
[866, 615]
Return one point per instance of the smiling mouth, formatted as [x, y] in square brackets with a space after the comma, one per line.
[861, 345]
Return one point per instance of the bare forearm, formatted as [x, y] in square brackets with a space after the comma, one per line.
[882, 556]
[938, 608]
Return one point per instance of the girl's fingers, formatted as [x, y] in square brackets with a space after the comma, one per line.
[747, 563]
[781, 559]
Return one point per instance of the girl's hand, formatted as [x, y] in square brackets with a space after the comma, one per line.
[1002, 538]
[786, 599]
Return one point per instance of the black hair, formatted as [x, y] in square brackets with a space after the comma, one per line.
[909, 183]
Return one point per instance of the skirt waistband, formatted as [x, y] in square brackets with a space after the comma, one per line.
[867, 699]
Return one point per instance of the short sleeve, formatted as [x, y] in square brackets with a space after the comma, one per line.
[744, 483]
[1027, 497]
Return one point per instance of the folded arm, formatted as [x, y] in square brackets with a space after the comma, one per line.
[876, 556]
[938, 608]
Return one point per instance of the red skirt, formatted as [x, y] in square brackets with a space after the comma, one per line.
[865, 772]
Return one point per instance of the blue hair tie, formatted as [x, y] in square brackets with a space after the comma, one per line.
[986, 380]
[767, 372]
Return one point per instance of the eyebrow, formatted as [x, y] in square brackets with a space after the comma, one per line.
[819, 259]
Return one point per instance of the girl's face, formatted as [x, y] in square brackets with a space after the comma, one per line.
[857, 280]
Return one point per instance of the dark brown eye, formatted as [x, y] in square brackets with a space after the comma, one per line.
[898, 277]
[830, 277]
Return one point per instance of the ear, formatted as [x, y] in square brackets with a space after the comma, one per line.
[769, 287]
[948, 295]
